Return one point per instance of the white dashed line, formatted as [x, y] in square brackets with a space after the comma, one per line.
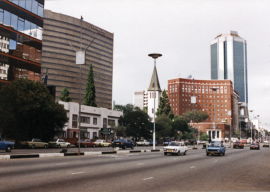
[148, 178]
[77, 173]
[61, 164]
[140, 163]
[192, 167]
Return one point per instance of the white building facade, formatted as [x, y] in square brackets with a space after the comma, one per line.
[92, 120]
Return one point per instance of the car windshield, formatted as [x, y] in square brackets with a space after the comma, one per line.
[215, 145]
[98, 141]
[55, 140]
[173, 144]
[254, 144]
[82, 140]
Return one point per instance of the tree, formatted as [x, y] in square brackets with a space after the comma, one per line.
[121, 131]
[65, 95]
[164, 107]
[28, 111]
[204, 137]
[90, 90]
[124, 108]
[163, 126]
[179, 125]
[137, 124]
[195, 116]
[145, 109]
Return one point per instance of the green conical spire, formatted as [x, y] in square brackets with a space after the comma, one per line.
[151, 86]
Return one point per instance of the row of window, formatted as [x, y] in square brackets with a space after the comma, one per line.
[200, 105]
[20, 24]
[188, 90]
[30, 5]
[87, 121]
[206, 96]
[206, 100]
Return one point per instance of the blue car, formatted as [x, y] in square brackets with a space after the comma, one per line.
[215, 148]
[5, 145]
[123, 143]
[151, 142]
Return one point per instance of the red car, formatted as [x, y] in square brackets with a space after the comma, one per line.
[86, 143]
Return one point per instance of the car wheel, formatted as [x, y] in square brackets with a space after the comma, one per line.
[165, 153]
[185, 152]
[109, 145]
[178, 153]
[58, 146]
[8, 149]
[33, 146]
[85, 146]
[124, 147]
[45, 146]
[219, 154]
[68, 146]
[94, 146]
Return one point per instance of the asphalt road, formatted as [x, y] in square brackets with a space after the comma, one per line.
[238, 170]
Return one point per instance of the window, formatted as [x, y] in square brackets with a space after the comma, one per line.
[104, 123]
[95, 121]
[225, 101]
[74, 121]
[111, 122]
[85, 120]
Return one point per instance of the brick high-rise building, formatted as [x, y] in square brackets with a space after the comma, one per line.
[180, 91]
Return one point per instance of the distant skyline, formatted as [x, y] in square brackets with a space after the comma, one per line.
[181, 30]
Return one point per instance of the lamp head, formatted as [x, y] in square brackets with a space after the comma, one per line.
[155, 55]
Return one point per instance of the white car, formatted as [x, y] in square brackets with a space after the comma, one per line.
[143, 142]
[175, 148]
[59, 143]
[265, 144]
[201, 142]
[102, 143]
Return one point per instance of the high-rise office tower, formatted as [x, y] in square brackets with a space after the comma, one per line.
[229, 61]
[60, 59]
[21, 27]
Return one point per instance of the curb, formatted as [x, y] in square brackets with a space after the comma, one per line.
[46, 155]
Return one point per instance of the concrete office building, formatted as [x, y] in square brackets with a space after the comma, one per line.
[21, 27]
[180, 91]
[59, 58]
[229, 61]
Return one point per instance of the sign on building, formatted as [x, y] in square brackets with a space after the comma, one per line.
[105, 131]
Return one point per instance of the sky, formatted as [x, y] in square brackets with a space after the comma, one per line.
[180, 30]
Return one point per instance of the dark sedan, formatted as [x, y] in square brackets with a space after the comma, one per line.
[255, 146]
[123, 143]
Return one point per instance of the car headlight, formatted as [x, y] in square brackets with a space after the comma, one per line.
[165, 149]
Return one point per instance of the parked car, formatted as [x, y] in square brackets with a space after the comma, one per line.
[102, 143]
[59, 143]
[265, 144]
[6, 145]
[142, 142]
[238, 144]
[216, 148]
[166, 142]
[151, 142]
[123, 143]
[175, 148]
[86, 143]
[255, 146]
[34, 143]
[244, 141]
[201, 142]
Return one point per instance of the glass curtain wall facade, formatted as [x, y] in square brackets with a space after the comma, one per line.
[229, 61]
[59, 58]
[21, 28]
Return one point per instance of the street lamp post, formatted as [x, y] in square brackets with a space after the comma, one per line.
[80, 60]
[251, 125]
[154, 56]
[215, 89]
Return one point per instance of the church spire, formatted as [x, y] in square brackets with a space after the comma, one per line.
[151, 86]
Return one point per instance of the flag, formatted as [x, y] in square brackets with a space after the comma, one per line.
[46, 78]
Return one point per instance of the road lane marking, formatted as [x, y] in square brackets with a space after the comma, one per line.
[140, 163]
[61, 164]
[192, 167]
[77, 173]
[148, 178]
